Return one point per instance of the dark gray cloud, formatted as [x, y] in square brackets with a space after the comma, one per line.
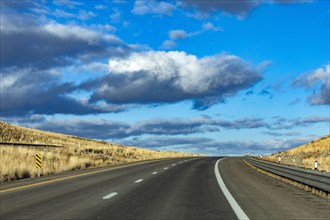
[29, 91]
[168, 77]
[241, 8]
[28, 40]
[26, 44]
[33, 52]
[312, 80]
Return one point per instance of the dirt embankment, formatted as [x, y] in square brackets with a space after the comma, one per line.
[304, 156]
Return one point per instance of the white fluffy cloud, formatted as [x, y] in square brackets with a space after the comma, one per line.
[166, 77]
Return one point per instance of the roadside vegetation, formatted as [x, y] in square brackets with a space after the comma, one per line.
[62, 153]
[304, 156]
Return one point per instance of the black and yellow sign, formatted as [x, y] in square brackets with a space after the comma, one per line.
[38, 160]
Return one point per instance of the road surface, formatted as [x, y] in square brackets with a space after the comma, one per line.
[166, 189]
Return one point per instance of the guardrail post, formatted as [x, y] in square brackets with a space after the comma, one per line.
[315, 165]
[279, 159]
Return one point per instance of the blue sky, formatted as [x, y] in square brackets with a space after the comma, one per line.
[212, 77]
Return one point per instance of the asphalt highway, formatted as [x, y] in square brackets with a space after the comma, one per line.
[189, 188]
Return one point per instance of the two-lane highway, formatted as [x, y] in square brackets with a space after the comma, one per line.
[166, 189]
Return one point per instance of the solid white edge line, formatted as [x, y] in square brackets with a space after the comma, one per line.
[234, 205]
[139, 180]
[154, 173]
[110, 195]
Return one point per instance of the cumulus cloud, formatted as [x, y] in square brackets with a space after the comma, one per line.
[27, 91]
[142, 7]
[318, 79]
[168, 77]
[52, 44]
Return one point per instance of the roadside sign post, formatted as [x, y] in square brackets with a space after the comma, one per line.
[38, 163]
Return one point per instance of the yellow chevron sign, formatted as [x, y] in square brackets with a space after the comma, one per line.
[38, 160]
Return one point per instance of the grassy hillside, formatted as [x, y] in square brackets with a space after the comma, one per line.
[305, 155]
[66, 153]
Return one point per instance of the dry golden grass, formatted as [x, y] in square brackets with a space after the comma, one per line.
[305, 155]
[71, 153]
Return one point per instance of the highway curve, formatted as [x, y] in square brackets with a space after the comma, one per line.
[165, 189]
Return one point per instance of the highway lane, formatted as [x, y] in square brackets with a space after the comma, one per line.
[263, 197]
[168, 189]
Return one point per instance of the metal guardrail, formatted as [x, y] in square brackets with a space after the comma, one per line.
[28, 144]
[315, 179]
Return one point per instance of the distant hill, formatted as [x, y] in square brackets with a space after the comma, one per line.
[61, 152]
[305, 155]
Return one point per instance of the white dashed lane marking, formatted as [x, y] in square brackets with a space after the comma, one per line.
[140, 180]
[110, 195]
[154, 173]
